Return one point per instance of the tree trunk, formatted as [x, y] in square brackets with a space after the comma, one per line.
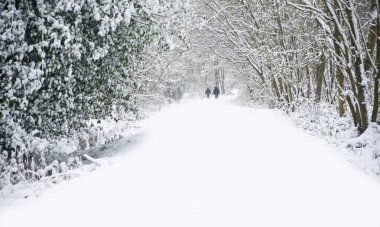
[361, 99]
[222, 78]
[308, 93]
[291, 98]
[376, 102]
[353, 112]
[217, 78]
[319, 78]
[357, 64]
[338, 72]
[340, 84]
[275, 89]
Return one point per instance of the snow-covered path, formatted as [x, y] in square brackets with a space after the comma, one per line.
[209, 163]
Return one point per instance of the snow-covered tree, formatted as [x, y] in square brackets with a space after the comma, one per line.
[301, 51]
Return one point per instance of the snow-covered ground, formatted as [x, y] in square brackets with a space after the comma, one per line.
[209, 163]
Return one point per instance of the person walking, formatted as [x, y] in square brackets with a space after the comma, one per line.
[208, 92]
[216, 92]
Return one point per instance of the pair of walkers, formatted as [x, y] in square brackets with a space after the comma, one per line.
[215, 92]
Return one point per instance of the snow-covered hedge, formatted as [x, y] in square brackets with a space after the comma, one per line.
[47, 157]
[65, 66]
[322, 120]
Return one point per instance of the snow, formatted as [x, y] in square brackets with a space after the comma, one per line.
[209, 163]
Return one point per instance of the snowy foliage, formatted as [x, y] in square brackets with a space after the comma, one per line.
[64, 63]
[321, 120]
